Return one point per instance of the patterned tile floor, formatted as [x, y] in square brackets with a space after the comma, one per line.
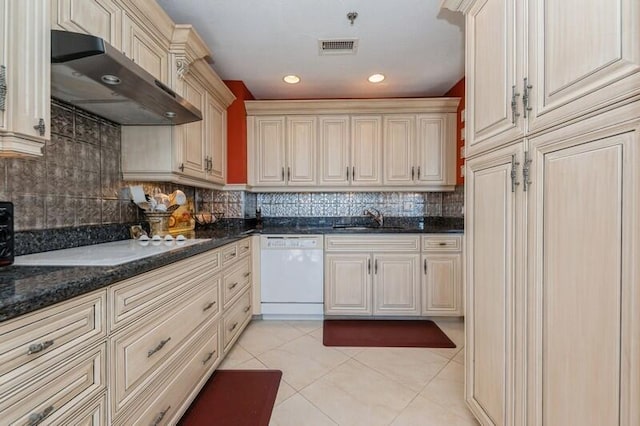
[355, 386]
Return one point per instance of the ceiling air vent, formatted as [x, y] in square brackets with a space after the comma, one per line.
[338, 46]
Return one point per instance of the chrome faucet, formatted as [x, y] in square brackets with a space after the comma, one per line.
[375, 214]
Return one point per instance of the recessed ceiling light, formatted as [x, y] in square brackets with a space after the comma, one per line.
[291, 79]
[376, 78]
[170, 114]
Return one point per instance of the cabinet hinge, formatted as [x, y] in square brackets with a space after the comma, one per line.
[3, 87]
[514, 173]
[525, 97]
[526, 169]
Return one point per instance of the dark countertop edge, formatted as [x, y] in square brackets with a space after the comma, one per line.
[72, 281]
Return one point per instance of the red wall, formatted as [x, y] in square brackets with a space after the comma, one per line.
[457, 91]
[237, 133]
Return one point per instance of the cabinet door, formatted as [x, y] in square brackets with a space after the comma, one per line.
[216, 140]
[436, 149]
[145, 50]
[101, 18]
[396, 284]
[573, 70]
[269, 148]
[334, 151]
[441, 284]
[494, 68]
[493, 238]
[399, 140]
[584, 319]
[25, 56]
[193, 134]
[366, 150]
[301, 150]
[347, 287]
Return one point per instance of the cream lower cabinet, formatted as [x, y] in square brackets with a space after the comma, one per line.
[553, 337]
[372, 275]
[442, 275]
[137, 352]
[24, 77]
[53, 363]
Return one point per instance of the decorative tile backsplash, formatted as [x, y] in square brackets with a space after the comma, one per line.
[78, 182]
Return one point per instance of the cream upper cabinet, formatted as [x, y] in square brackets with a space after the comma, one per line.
[193, 134]
[335, 159]
[216, 141]
[192, 154]
[573, 71]
[366, 150]
[102, 18]
[494, 60]
[145, 49]
[435, 152]
[399, 146]
[356, 146]
[269, 149]
[284, 150]
[25, 56]
[527, 70]
[301, 150]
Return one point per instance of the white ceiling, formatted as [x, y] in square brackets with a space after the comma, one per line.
[419, 47]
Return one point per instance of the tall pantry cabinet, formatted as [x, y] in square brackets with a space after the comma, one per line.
[552, 211]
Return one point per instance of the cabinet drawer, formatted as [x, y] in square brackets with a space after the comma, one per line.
[235, 319]
[189, 371]
[52, 395]
[368, 243]
[139, 353]
[45, 334]
[440, 242]
[136, 297]
[92, 414]
[235, 281]
[235, 251]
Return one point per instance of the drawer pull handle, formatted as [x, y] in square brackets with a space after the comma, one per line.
[246, 274]
[37, 418]
[157, 348]
[233, 327]
[247, 309]
[443, 244]
[230, 255]
[245, 248]
[231, 287]
[39, 347]
[209, 306]
[425, 266]
[209, 356]
[160, 416]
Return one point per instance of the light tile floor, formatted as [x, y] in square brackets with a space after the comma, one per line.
[355, 386]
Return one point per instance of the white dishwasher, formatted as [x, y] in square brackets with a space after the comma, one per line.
[292, 276]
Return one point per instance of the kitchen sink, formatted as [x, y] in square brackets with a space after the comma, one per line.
[365, 227]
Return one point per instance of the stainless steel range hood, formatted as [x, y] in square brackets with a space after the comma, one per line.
[93, 75]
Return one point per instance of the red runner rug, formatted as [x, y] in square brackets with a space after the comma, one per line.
[235, 398]
[385, 333]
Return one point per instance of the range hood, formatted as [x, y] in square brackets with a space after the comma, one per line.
[88, 72]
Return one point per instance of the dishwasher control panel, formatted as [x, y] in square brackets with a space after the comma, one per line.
[281, 242]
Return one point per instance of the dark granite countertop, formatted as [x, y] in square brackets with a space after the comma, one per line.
[24, 289]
